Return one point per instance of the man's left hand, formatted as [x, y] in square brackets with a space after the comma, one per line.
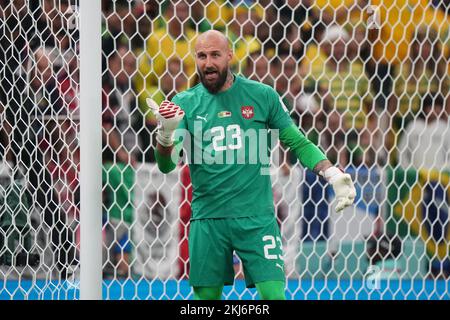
[342, 186]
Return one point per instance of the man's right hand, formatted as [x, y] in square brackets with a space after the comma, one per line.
[169, 116]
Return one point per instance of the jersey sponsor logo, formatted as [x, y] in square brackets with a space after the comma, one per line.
[279, 266]
[247, 112]
[224, 114]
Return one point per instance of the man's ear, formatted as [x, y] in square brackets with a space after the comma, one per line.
[230, 54]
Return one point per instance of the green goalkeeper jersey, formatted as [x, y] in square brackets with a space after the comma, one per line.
[227, 137]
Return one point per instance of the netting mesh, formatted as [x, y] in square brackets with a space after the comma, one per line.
[368, 81]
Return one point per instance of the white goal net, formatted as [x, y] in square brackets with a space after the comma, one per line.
[366, 80]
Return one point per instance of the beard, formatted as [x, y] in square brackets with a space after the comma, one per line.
[214, 85]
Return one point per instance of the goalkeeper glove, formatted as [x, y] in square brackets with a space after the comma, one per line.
[342, 186]
[169, 116]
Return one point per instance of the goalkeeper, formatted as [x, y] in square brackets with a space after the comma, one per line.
[232, 203]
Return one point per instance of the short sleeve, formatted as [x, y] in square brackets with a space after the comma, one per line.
[279, 117]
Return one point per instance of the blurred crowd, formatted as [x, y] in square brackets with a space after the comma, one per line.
[370, 88]
[353, 76]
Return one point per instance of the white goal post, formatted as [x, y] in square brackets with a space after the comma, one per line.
[90, 145]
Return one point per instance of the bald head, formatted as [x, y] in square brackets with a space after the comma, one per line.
[213, 37]
[213, 55]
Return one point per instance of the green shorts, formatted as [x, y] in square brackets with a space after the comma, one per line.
[256, 241]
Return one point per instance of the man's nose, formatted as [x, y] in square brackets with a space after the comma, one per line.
[208, 62]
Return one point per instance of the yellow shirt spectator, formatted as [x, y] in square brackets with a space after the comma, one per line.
[242, 35]
[313, 61]
[341, 83]
[334, 4]
[409, 89]
[344, 11]
[171, 82]
[399, 20]
[242, 48]
[424, 73]
[348, 90]
[218, 13]
[161, 46]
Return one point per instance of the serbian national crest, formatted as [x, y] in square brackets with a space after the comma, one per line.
[247, 112]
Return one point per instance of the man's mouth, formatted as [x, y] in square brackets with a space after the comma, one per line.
[211, 75]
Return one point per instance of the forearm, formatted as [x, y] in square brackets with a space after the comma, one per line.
[320, 167]
[307, 153]
[313, 158]
[164, 151]
[166, 157]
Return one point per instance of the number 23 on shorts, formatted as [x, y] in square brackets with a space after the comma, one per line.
[270, 245]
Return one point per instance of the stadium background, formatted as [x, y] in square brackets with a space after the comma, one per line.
[366, 80]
